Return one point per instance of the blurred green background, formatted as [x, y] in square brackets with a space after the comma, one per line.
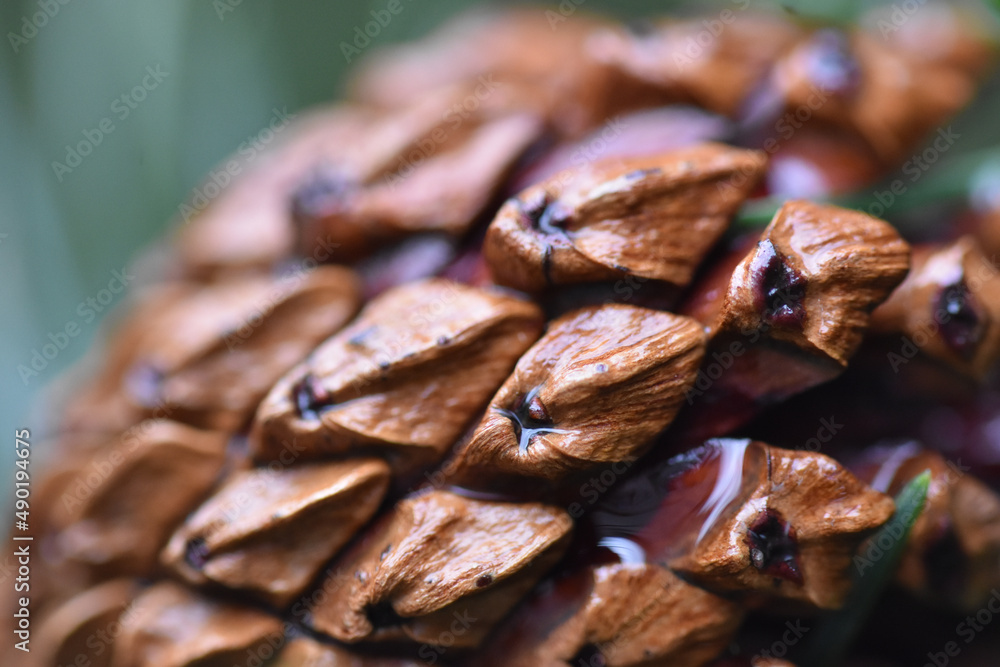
[224, 67]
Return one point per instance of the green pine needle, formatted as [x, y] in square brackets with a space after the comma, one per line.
[836, 633]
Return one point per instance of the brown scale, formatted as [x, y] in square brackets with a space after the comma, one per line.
[170, 626]
[948, 307]
[385, 383]
[653, 217]
[856, 82]
[616, 615]
[671, 58]
[952, 555]
[637, 134]
[206, 355]
[595, 389]
[788, 312]
[271, 531]
[85, 627]
[730, 517]
[440, 558]
[655, 581]
[325, 194]
[247, 226]
[944, 35]
[538, 61]
[672, 555]
[119, 505]
[437, 174]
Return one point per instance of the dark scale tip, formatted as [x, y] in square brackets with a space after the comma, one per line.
[322, 191]
[831, 65]
[237, 447]
[544, 214]
[529, 418]
[589, 655]
[484, 580]
[773, 547]
[382, 615]
[781, 289]
[961, 325]
[641, 28]
[144, 381]
[311, 397]
[196, 552]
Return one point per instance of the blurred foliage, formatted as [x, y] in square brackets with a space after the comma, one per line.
[228, 65]
[836, 631]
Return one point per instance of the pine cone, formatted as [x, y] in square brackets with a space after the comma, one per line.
[468, 431]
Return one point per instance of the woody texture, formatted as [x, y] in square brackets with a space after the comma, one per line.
[558, 393]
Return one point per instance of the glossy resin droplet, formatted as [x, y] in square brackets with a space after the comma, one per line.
[665, 510]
